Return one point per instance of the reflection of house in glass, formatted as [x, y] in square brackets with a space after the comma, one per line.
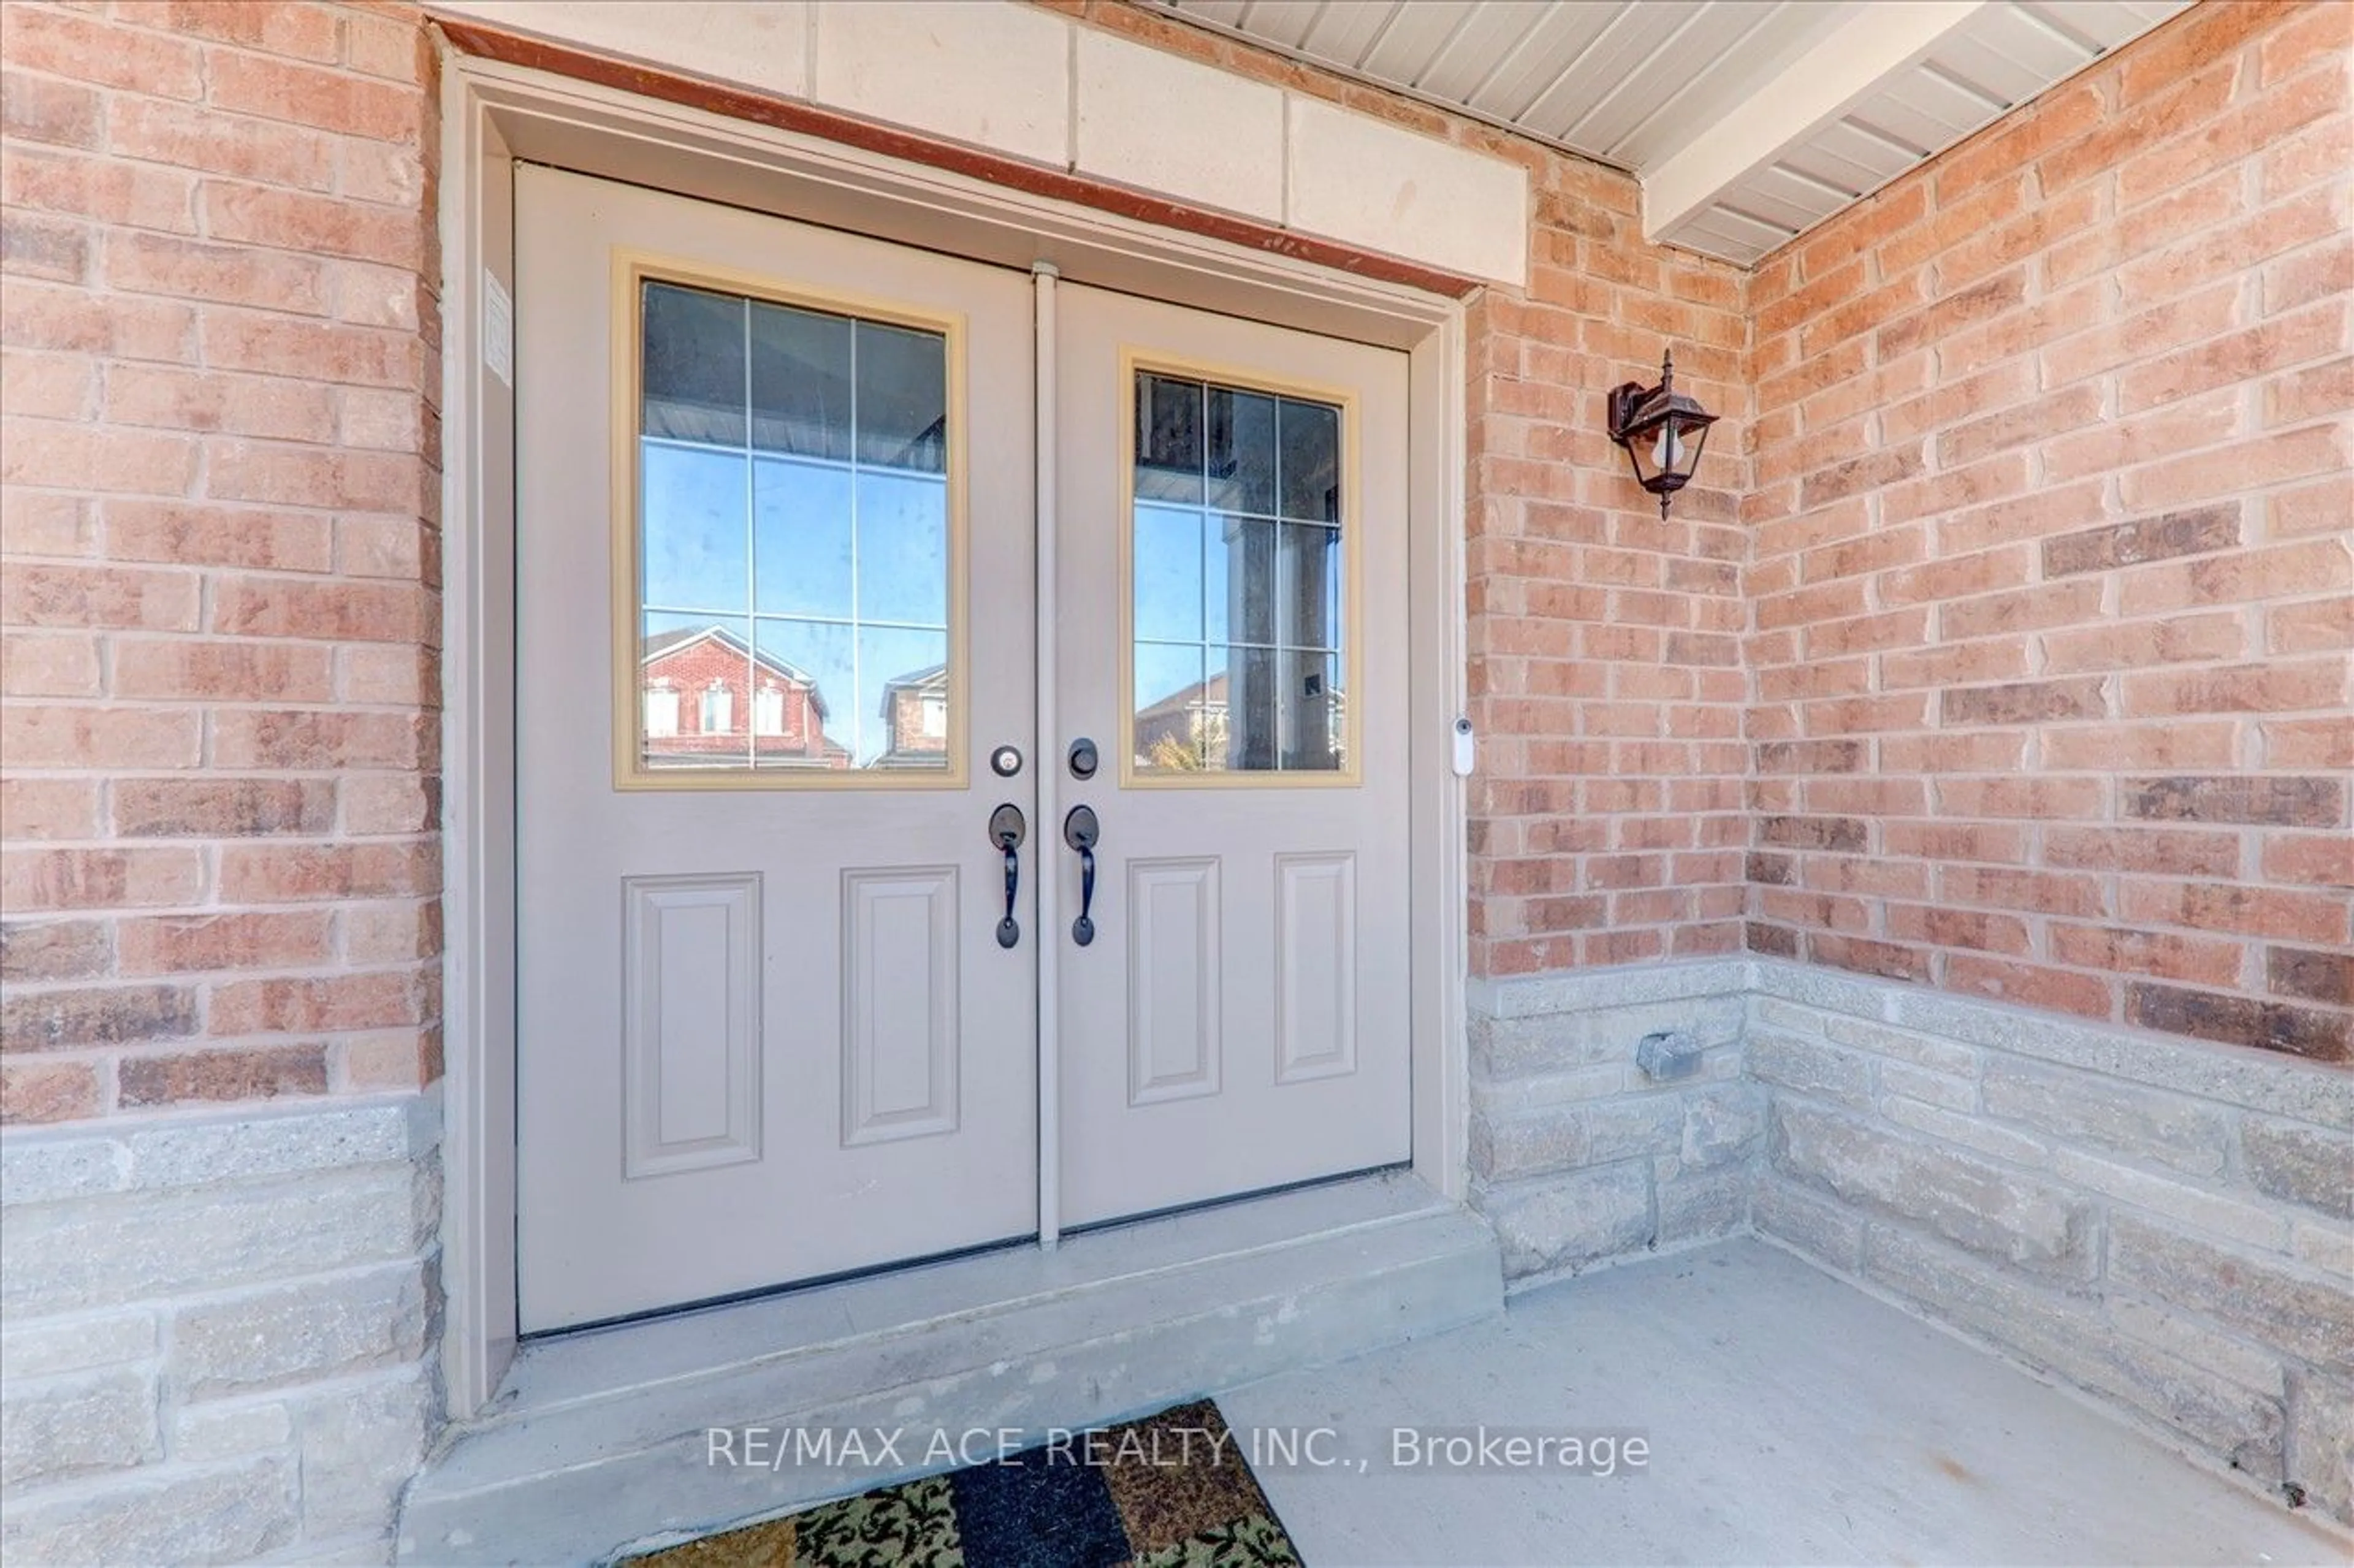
[1226, 724]
[707, 701]
[1186, 731]
[915, 719]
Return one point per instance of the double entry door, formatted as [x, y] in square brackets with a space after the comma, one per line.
[782, 791]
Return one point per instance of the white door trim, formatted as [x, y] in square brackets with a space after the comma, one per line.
[494, 113]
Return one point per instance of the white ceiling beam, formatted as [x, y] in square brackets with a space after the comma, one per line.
[1846, 67]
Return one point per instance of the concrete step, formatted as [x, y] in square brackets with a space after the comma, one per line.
[602, 1441]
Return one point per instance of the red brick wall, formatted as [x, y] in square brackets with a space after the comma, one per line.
[2052, 542]
[219, 454]
[1607, 823]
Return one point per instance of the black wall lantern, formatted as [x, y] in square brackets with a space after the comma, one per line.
[1662, 430]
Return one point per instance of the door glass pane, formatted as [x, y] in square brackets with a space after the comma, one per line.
[1238, 583]
[1314, 716]
[903, 398]
[1174, 723]
[694, 701]
[1243, 552]
[1253, 743]
[902, 698]
[793, 541]
[902, 549]
[1169, 574]
[812, 662]
[801, 540]
[692, 513]
[694, 365]
[1308, 613]
[1167, 438]
[802, 381]
[1311, 461]
[1240, 469]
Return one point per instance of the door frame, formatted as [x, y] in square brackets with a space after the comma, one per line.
[494, 113]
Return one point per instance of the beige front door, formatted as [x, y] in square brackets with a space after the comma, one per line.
[776, 622]
[1232, 610]
[774, 607]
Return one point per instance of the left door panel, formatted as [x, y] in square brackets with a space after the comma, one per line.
[774, 606]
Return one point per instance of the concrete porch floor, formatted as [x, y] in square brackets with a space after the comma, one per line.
[1791, 1419]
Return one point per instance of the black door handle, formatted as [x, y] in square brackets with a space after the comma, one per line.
[1081, 831]
[1007, 829]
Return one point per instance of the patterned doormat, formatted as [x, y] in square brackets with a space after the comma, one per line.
[1163, 1492]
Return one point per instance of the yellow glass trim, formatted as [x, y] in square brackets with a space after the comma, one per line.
[633, 269]
[1131, 361]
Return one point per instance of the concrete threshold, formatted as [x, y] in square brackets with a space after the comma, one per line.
[603, 1441]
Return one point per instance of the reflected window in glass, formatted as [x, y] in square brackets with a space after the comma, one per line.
[1237, 574]
[793, 544]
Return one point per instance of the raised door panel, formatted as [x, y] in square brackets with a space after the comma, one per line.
[1315, 965]
[1172, 980]
[898, 1004]
[690, 1022]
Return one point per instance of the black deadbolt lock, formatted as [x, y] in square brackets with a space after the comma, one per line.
[1083, 758]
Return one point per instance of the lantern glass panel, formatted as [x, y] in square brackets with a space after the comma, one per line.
[1681, 446]
[1657, 449]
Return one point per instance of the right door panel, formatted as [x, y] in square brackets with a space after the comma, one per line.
[1231, 600]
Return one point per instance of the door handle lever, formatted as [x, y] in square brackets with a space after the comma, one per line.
[1082, 832]
[1007, 829]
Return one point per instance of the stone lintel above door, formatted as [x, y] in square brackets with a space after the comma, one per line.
[998, 76]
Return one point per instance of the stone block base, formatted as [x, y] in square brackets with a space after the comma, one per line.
[216, 1334]
[2165, 1224]
[1579, 1155]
